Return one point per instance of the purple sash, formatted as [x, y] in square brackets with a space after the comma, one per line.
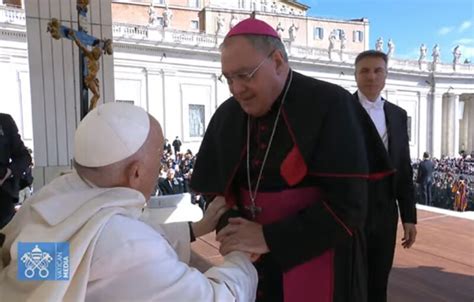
[311, 281]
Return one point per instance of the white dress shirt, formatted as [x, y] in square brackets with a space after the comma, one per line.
[376, 113]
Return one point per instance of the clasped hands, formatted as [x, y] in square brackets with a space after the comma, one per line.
[239, 235]
[242, 235]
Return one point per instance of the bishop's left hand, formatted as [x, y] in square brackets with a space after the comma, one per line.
[242, 235]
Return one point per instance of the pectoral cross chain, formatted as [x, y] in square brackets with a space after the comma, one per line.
[254, 210]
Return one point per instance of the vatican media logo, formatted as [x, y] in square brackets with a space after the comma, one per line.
[43, 261]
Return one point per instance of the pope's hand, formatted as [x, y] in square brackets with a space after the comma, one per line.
[242, 235]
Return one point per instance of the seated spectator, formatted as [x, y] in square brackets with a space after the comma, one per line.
[171, 185]
[114, 256]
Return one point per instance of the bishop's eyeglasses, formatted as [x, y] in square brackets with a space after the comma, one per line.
[245, 77]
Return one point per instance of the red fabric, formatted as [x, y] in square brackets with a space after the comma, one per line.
[380, 175]
[293, 168]
[252, 26]
[310, 281]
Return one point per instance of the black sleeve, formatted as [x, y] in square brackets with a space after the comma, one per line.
[19, 155]
[224, 219]
[405, 191]
[341, 162]
[420, 174]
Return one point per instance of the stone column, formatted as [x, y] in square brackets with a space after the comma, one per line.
[466, 121]
[217, 83]
[155, 94]
[172, 123]
[222, 94]
[448, 123]
[470, 124]
[457, 118]
[423, 130]
[437, 99]
[54, 78]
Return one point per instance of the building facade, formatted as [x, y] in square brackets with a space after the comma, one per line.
[166, 59]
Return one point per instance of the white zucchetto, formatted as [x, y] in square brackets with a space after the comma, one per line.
[110, 133]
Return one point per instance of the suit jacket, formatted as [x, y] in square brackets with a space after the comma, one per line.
[425, 171]
[176, 186]
[393, 166]
[13, 155]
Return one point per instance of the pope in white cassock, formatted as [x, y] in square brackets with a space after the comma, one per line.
[115, 253]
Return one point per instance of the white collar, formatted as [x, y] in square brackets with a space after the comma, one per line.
[364, 101]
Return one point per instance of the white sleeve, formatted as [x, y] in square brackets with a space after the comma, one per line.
[177, 234]
[146, 268]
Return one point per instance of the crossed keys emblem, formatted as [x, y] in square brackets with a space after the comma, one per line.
[36, 259]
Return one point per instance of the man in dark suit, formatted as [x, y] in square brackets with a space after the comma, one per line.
[177, 145]
[425, 178]
[390, 179]
[14, 161]
[172, 184]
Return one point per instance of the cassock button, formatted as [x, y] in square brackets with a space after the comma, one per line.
[263, 127]
[263, 146]
[257, 163]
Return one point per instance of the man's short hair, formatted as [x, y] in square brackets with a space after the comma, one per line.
[264, 44]
[371, 54]
[426, 155]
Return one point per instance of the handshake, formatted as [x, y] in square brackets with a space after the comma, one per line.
[233, 232]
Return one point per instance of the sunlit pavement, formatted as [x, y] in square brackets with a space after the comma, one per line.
[439, 267]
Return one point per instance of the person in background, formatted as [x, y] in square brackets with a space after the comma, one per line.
[460, 190]
[15, 160]
[171, 184]
[167, 146]
[390, 183]
[177, 145]
[425, 178]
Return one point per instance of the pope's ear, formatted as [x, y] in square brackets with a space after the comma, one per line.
[133, 173]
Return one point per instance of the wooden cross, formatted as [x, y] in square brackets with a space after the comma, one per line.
[90, 51]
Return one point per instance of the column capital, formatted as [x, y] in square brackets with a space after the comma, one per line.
[436, 95]
[153, 71]
[423, 94]
[169, 72]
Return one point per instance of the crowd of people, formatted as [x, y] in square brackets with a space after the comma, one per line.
[452, 180]
[452, 183]
[175, 173]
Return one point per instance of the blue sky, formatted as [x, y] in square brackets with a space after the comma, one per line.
[409, 23]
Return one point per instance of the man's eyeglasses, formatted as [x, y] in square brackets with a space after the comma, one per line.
[245, 77]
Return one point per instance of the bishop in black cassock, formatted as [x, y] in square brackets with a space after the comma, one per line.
[311, 191]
